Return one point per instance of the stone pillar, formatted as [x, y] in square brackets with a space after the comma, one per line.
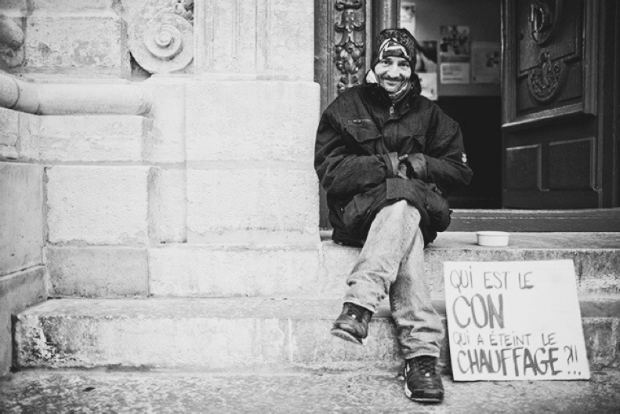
[252, 110]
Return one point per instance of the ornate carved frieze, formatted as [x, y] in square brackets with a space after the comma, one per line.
[350, 48]
[546, 81]
[161, 37]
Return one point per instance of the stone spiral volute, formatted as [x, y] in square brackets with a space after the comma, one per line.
[163, 43]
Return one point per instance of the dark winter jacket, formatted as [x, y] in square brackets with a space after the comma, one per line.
[359, 139]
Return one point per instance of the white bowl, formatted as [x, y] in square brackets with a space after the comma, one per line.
[492, 238]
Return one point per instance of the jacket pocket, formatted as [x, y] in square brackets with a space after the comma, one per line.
[362, 130]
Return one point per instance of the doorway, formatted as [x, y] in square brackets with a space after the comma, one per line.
[512, 168]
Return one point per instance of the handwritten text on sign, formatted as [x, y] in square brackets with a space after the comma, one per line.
[514, 320]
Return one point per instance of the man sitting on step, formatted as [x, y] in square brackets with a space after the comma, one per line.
[385, 155]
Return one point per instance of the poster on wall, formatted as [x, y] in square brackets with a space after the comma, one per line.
[454, 54]
[407, 16]
[514, 321]
[485, 62]
[426, 68]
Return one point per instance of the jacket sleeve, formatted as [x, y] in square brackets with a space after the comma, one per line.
[342, 172]
[445, 162]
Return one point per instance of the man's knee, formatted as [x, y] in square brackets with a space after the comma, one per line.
[403, 209]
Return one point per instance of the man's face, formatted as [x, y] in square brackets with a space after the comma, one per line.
[392, 72]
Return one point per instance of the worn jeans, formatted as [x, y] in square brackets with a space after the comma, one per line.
[392, 262]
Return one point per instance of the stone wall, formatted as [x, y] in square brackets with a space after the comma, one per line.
[70, 37]
[22, 273]
[194, 178]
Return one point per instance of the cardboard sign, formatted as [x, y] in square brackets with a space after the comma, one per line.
[514, 321]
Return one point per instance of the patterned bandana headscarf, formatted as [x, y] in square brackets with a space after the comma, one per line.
[394, 42]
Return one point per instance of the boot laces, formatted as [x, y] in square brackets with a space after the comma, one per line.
[355, 312]
[426, 365]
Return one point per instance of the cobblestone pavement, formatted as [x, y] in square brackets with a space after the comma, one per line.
[291, 392]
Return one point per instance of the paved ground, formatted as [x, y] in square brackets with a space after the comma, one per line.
[290, 392]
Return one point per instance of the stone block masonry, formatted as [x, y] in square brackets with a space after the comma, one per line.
[101, 205]
[278, 200]
[87, 139]
[252, 121]
[226, 270]
[101, 271]
[21, 216]
[249, 155]
[83, 44]
[22, 274]
[270, 38]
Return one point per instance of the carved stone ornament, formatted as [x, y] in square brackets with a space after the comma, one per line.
[547, 80]
[349, 54]
[11, 42]
[161, 38]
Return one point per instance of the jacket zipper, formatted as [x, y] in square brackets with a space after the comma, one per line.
[391, 110]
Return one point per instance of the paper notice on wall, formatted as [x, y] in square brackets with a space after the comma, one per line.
[514, 321]
[485, 62]
[454, 72]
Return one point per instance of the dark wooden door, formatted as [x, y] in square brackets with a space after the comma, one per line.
[560, 91]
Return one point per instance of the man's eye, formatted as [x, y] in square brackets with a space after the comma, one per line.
[404, 64]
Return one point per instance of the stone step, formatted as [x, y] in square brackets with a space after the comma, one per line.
[581, 220]
[596, 256]
[228, 333]
[299, 269]
[292, 392]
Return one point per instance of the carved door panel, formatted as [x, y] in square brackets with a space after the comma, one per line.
[553, 102]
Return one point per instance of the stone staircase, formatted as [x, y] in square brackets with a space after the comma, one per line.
[240, 321]
[270, 335]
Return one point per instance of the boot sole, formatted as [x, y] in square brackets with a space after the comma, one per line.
[428, 400]
[342, 334]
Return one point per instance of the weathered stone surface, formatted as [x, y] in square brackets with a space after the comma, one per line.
[17, 292]
[264, 37]
[87, 43]
[172, 209]
[106, 97]
[163, 43]
[229, 270]
[9, 133]
[100, 205]
[71, 6]
[602, 337]
[107, 138]
[273, 199]
[14, 6]
[21, 216]
[224, 333]
[274, 121]
[294, 391]
[596, 256]
[101, 272]
[18, 135]
[168, 113]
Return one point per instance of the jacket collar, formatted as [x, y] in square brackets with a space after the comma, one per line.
[376, 94]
